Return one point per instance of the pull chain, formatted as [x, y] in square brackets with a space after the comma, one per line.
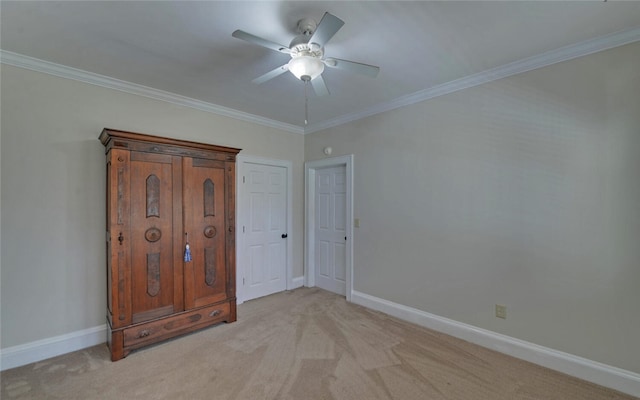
[306, 102]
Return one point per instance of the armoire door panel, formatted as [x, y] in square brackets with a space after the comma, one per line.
[230, 229]
[152, 231]
[204, 208]
[178, 247]
[119, 238]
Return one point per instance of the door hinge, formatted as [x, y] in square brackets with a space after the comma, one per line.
[243, 179]
[242, 228]
[242, 281]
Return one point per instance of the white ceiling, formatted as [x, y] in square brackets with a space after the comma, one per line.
[186, 48]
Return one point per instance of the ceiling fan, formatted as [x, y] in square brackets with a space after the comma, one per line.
[307, 53]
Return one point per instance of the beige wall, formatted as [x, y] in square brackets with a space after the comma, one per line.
[523, 192]
[53, 192]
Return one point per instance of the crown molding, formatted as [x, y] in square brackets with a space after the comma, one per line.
[565, 53]
[63, 71]
[570, 52]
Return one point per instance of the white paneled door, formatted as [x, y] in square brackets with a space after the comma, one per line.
[265, 235]
[331, 229]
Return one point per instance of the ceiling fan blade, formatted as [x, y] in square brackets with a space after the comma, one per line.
[319, 86]
[328, 26]
[271, 74]
[260, 41]
[364, 69]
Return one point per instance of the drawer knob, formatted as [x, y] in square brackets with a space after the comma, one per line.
[215, 313]
[144, 333]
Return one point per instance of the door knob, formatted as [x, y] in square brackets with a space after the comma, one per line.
[284, 235]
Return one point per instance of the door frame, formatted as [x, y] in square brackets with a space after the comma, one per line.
[310, 169]
[242, 215]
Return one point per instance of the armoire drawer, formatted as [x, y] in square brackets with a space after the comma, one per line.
[170, 326]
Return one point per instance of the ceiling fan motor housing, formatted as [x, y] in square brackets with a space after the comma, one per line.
[306, 26]
[300, 45]
[306, 49]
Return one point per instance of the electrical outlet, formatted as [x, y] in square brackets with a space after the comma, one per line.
[501, 311]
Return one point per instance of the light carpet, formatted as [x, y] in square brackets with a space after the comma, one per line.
[302, 344]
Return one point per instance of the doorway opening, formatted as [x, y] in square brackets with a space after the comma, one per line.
[329, 224]
[264, 211]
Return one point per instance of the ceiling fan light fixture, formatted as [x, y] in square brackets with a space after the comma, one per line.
[306, 67]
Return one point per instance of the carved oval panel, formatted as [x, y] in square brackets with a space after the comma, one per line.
[153, 235]
[210, 231]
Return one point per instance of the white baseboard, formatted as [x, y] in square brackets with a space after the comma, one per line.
[16, 356]
[297, 282]
[592, 371]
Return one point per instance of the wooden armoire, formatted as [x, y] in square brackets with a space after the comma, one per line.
[163, 194]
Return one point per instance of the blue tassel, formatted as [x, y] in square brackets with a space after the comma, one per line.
[187, 251]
